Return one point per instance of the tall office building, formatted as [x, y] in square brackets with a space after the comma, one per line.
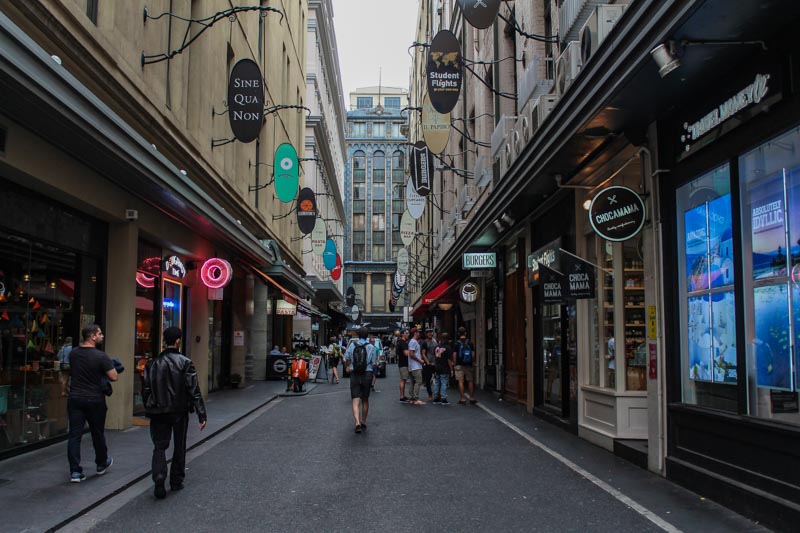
[374, 201]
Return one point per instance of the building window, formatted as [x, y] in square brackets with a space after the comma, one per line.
[358, 221]
[391, 102]
[379, 167]
[378, 293]
[358, 252]
[379, 222]
[91, 10]
[359, 286]
[359, 175]
[395, 250]
[364, 102]
[378, 129]
[398, 162]
[396, 222]
[358, 129]
[378, 252]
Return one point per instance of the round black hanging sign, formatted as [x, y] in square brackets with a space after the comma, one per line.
[617, 213]
[246, 100]
[445, 71]
[350, 297]
[480, 13]
[306, 210]
[422, 168]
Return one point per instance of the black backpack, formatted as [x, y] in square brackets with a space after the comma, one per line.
[360, 358]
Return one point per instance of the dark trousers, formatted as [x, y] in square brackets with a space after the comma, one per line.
[162, 428]
[427, 377]
[80, 412]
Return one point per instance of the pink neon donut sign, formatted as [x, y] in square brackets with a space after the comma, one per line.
[216, 273]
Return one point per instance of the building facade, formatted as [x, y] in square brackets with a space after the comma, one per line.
[374, 192]
[680, 357]
[130, 205]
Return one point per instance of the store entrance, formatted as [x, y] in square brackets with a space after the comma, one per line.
[557, 385]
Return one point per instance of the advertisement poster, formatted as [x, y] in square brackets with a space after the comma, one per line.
[723, 340]
[772, 347]
[695, 226]
[793, 207]
[699, 337]
[720, 241]
[767, 211]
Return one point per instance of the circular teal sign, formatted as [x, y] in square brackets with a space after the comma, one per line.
[329, 255]
[287, 173]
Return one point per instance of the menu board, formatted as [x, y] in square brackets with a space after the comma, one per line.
[699, 337]
[772, 347]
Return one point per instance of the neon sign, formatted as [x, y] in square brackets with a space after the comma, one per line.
[145, 281]
[174, 266]
[216, 273]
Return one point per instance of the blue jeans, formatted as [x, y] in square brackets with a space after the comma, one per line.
[440, 382]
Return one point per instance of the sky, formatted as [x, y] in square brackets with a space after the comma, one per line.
[374, 35]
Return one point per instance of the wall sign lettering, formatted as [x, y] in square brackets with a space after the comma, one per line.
[435, 127]
[444, 71]
[617, 213]
[174, 266]
[479, 260]
[306, 210]
[246, 100]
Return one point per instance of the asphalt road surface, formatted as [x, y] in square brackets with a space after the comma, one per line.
[299, 466]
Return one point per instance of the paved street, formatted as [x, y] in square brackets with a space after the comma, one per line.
[296, 465]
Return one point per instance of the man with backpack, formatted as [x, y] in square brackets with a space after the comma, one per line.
[464, 355]
[360, 357]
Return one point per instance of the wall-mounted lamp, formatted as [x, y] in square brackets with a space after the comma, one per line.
[498, 225]
[665, 58]
[587, 204]
[507, 220]
[445, 306]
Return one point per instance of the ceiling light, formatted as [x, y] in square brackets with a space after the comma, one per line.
[664, 56]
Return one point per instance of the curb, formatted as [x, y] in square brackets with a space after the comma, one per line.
[308, 388]
[137, 479]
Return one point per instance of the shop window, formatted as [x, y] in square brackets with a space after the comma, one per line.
[378, 293]
[770, 181]
[705, 279]
[359, 286]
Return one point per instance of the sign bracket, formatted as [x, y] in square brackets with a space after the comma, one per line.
[585, 261]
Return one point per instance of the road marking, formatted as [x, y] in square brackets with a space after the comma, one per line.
[643, 511]
[106, 509]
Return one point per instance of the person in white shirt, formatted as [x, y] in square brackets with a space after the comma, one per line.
[415, 362]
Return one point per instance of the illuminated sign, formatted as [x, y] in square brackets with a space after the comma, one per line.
[283, 307]
[216, 273]
[617, 213]
[174, 266]
[480, 260]
[145, 281]
[469, 292]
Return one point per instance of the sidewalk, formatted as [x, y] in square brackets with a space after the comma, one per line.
[39, 496]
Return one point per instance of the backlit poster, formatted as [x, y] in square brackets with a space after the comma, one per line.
[700, 341]
[723, 338]
[772, 346]
[768, 215]
[720, 241]
[695, 223]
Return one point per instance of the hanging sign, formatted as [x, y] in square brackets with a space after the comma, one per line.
[579, 279]
[616, 213]
[336, 272]
[318, 236]
[400, 280]
[444, 71]
[306, 210]
[174, 266]
[551, 285]
[350, 297]
[421, 168]
[287, 173]
[402, 261]
[216, 273]
[479, 260]
[469, 292]
[329, 254]
[435, 127]
[354, 312]
[547, 255]
[408, 228]
[480, 13]
[246, 100]
[285, 308]
[414, 202]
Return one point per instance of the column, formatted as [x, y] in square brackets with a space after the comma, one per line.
[368, 296]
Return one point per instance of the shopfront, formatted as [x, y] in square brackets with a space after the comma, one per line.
[734, 203]
[51, 275]
[515, 357]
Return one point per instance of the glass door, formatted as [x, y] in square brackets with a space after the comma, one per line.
[552, 352]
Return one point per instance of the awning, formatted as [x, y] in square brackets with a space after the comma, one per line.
[434, 294]
[301, 304]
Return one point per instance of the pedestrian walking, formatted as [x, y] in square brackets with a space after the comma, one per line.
[401, 350]
[334, 357]
[443, 364]
[360, 358]
[377, 360]
[415, 362]
[464, 353]
[428, 346]
[86, 402]
[170, 392]
[63, 365]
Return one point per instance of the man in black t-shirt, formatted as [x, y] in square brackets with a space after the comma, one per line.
[87, 402]
[401, 350]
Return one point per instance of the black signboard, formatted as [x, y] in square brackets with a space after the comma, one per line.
[579, 279]
[445, 71]
[246, 100]
[617, 213]
[350, 297]
[551, 285]
[480, 13]
[421, 168]
[306, 210]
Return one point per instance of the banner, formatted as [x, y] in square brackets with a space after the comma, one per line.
[551, 285]
[579, 279]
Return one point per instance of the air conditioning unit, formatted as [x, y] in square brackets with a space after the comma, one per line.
[521, 134]
[532, 85]
[500, 135]
[597, 28]
[483, 171]
[506, 159]
[568, 65]
[466, 199]
[538, 111]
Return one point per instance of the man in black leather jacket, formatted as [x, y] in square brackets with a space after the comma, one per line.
[170, 393]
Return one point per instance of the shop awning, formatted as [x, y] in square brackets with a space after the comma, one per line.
[431, 296]
[287, 294]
